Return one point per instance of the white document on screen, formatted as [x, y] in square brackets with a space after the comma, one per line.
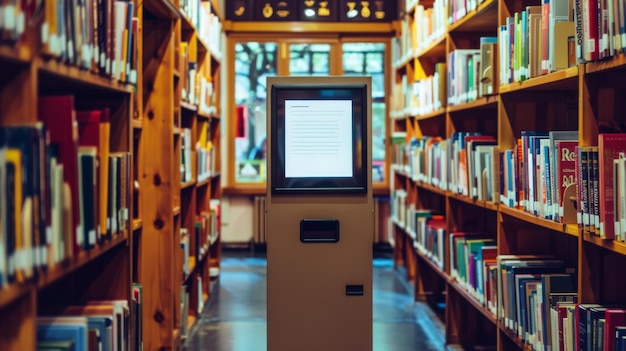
[318, 138]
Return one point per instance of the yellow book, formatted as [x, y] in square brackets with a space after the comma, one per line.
[103, 163]
[13, 159]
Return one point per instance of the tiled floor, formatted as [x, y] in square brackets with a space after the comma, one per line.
[235, 318]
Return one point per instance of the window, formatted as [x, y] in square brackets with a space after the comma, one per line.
[368, 59]
[254, 62]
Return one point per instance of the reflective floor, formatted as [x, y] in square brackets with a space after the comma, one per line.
[235, 317]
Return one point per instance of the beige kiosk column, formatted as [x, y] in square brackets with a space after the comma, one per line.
[320, 228]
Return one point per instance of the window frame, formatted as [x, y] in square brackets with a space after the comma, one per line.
[283, 40]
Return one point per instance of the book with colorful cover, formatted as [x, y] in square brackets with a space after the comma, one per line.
[609, 147]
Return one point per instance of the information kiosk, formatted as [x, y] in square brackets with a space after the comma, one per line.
[320, 214]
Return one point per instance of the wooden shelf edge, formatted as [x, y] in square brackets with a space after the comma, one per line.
[83, 258]
[427, 51]
[16, 53]
[530, 218]
[617, 61]
[186, 106]
[560, 75]
[479, 203]
[611, 245]
[484, 101]
[74, 73]
[245, 190]
[162, 9]
[204, 181]
[430, 263]
[438, 113]
[10, 293]
[176, 210]
[479, 10]
[475, 303]
[137, 123]
[430, 188]
[187, 184]
[137, 224]
[512, 336]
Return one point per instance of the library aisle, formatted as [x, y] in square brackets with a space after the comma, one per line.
[235, 317]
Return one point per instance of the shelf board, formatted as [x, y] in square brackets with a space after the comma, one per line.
[137, 224]
[434, 51]
[479, 203]
[207, 114]
[137, 123]
[431, 264]
[481, 19]
[611, 245]
[485, 102]
[616, 62]
[204, 181]
[400, 170]
[187, 184]
[83, 258]
[19, 54]
[565, 79]
[431, 188]
[512, 336]
[475, 303]
[308, 27]
[186, 106]
[59, 72]
[530, 218]
[431, 115]
[176, 210]
[178, 131]
[162, 9]
[251, 189]
[10, 293]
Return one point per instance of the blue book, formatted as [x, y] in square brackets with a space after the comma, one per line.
[62, 328]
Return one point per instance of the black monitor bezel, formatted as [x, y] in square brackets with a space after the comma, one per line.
[357, 93]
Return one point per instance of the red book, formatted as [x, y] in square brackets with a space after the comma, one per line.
[613, 318]
[57, 113]
[590, 30]
[565, 170]
[545, 34]
[609, 147]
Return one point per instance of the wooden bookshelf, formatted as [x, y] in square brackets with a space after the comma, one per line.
[172, 127]
[98, 270]
[585, 97]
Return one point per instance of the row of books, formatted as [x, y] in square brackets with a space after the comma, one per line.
[196, 88]
[422, 96]
[100, 36]
[537, 41]
[535, 297]
[204, 233]
[470, 72]
[206, 152]
[539, 171]
[68, 191]
[14, 18]
[186, 163]
[467, 76]
[429, 25]
[534, 176]
[95, 325]
[207, 24]
[600, 28]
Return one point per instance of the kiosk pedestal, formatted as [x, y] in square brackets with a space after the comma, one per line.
[320, 216]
